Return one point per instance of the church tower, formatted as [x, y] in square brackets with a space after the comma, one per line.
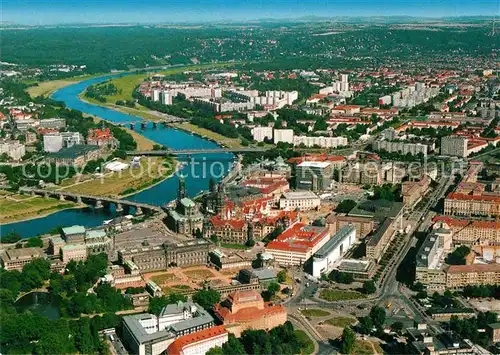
[181, 192]
[220, 198]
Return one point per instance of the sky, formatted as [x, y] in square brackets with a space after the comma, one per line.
[44, 12]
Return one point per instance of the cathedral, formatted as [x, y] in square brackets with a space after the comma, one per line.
[185, 217]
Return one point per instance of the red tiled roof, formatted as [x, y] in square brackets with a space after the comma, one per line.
[266, 185]
[457, 269]
[99, 134]
[236, 224]
[346, 107]
[317, 157]
[473, 143]
[464, 197]
[244, 296]
[454, 222]
[177, 347]
[246, 314]
[297, 238]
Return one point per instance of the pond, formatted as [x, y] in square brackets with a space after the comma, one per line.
[38, 302]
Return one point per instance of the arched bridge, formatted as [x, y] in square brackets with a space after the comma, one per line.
[196, 151]
[96, 201]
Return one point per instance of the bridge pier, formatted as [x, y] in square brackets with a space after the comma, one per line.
[131, 126]
[46, 195]
[61, 197]
[78, 199]
[155, 125]
[119, 207]
[138, 211]
[143, 125]
[32, 193]
[98, 204]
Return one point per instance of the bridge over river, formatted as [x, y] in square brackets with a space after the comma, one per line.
[96, 201]
[196, 151]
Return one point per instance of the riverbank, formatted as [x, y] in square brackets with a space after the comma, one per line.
[149, 115]
[208, 134]
[143, 143]
[138, 110]
[126, 85]
[150, 171]
[46, 88]
[195, 175]
[17, 208]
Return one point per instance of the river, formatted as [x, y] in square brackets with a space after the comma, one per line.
[197, 173]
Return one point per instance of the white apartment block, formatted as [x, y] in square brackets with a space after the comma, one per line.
[72, 138]
[155, 95]
[273, 97]
[414, 95]
[260, 133]
[283, 135]
[52, 142]
[323, 142]
[301, 200]
[454, 146]
[400, 147]
[13, 149]
[55, 123]
[166, 98]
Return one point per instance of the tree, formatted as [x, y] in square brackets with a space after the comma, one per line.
[348, 341]
[345, 206]
[11, 237]
[85, 341]
[281, 276]
[369, 287]
[397, 327]
[421, 295]
[216, 350]
[233, 346]
[34, 242]
[272, 288]
[365, 325]
[457, 257]
[418, 286]
[207, 298]
[342, 277]
[377, 314]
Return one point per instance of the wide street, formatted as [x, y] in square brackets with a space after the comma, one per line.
[390, 291]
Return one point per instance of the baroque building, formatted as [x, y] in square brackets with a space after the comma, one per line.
[161, 257]
[185, 217]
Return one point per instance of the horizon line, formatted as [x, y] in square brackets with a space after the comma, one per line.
[304, 18]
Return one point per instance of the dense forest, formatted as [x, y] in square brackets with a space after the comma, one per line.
[279, 46]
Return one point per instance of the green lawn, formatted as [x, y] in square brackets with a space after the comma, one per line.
[341, 322]
[339, 295]
[314, 312]
[306, 344]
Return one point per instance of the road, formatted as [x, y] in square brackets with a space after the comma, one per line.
[389, 288]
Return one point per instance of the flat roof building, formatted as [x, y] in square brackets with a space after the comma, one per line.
[297, 243]
[148, 334]
[15, 259]
[333, 250]
[314, 175]
[301, 200]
